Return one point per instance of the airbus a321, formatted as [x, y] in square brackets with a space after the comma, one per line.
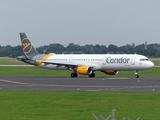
[84, 64]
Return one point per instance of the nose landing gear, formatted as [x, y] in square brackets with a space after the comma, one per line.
[136, 74]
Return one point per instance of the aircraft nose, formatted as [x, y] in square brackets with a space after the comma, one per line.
[151, 64]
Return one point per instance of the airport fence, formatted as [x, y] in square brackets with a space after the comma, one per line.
[112, 117]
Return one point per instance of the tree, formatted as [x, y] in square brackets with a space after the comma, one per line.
[73, 47]
[55, 48]
[112, 48]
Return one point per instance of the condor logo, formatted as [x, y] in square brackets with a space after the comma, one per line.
[117, 60]
[27, 47]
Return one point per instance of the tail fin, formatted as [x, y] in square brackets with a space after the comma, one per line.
[27, 47]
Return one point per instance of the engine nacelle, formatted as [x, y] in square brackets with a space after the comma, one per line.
[110, 72]
[84, 70]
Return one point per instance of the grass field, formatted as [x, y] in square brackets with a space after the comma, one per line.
[51, 105]
[10, 61]
[55, 105]
[36, 71]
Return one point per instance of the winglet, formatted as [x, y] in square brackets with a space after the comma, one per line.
[27, 47]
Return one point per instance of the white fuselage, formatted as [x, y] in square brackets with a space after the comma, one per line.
[97, 62]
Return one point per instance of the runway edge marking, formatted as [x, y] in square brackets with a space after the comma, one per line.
[118, 78]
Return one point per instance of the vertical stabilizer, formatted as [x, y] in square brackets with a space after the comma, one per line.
[27, 47]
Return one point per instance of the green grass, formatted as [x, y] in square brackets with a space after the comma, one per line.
[36, 71]
[10, 61]
[51, 105]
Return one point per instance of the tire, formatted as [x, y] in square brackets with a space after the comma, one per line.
[136, 76]
[74, 75]
[92, 75]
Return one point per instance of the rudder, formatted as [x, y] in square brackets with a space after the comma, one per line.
[27, 47]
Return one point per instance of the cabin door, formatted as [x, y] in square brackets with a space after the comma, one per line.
[133, 60]
[104, 61]
[70, 60]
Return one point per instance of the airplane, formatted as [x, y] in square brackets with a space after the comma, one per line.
[84, 64]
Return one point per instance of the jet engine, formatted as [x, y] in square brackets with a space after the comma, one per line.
[110, 72]
[84, 70]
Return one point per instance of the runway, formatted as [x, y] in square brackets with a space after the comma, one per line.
[80, 84]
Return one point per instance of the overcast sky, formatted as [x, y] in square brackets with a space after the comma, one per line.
[82, 22]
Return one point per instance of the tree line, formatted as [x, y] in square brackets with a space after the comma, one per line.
[153, 50]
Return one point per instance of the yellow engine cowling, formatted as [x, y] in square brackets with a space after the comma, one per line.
[83, 70]
[110, 72]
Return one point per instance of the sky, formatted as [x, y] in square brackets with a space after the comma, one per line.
[103, 22]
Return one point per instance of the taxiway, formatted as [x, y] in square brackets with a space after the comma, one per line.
[112, 84]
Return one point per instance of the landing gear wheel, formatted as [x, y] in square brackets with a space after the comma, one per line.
[136, 76]
[92, 75]
[74, 75]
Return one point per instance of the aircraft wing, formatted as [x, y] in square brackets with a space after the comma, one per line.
[57, 63]
[73, 65]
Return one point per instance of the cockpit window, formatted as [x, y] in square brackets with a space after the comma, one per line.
[144, 59]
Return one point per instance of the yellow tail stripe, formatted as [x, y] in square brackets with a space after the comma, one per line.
[43, 59]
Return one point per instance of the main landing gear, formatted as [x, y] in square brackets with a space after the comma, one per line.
[136, 74]
[74, 74]
[92, 75]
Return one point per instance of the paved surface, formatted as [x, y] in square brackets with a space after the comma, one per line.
[80, 84]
